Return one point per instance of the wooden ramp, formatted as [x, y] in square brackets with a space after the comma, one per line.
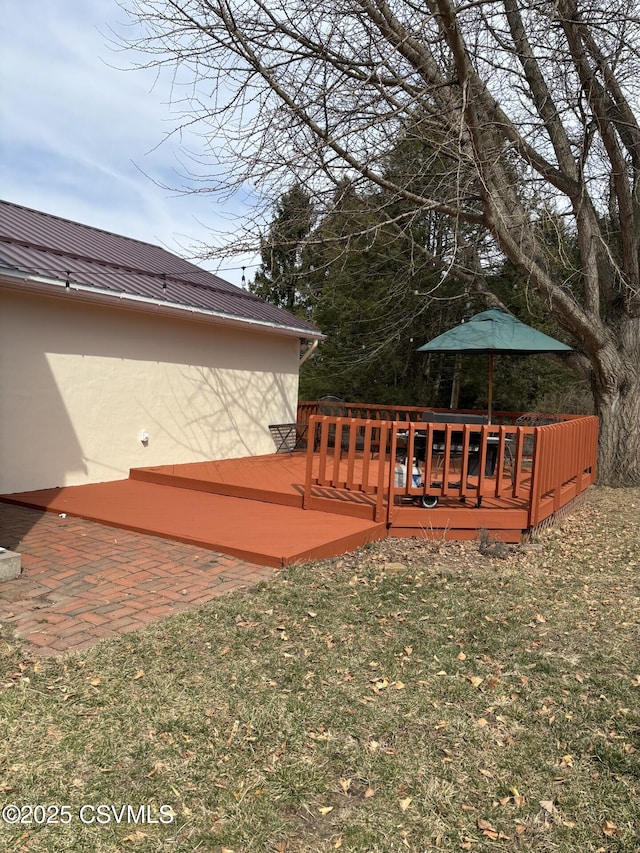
[269, 534]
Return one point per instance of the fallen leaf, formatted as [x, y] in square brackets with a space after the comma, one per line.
[325, 809]
[370, 792]
[462, 656]
[609, 828]
[135, 836]
[475, 680]
[404, 804]
[337, 843]
[345, 784]
[547, 806]
[139, 674]
[567, 761]
[95, 681]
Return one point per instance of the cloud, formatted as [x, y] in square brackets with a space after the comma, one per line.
[80, 137]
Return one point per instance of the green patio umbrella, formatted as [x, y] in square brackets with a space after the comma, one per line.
[492, 332]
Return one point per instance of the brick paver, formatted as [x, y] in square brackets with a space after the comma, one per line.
[83, 581]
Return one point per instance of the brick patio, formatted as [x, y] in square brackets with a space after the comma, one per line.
[82, 581]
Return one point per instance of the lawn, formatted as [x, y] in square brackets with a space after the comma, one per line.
[411, 696]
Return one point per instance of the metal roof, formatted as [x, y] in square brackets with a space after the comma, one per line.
[39, 245]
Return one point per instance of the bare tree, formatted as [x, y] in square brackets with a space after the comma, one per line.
[527, 111]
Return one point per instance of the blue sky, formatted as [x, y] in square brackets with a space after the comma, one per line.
[79, 137]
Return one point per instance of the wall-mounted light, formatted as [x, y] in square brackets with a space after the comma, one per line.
[144, 437]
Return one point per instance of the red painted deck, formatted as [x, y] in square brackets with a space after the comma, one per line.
[252, 508]
[280, 478]
[269, 534]
[345, 490]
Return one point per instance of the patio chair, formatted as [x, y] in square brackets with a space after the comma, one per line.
[533, 419]
[289, 437]
[332, 407]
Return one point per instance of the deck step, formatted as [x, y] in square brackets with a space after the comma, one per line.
[263, 533]
[245, 491]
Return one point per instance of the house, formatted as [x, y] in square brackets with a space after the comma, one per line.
[115, 353]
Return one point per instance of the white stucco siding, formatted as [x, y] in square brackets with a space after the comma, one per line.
[79, 384]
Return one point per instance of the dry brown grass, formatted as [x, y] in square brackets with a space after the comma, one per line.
[411, 696]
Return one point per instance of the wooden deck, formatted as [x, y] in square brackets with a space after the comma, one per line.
[280, 479]
[338, 495]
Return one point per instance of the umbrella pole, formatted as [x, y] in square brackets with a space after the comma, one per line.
[490, 395]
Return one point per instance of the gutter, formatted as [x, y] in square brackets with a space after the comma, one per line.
[309, 352]
[88, 293]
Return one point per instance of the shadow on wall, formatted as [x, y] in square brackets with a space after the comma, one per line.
[25, 458]
[80, 385]
[226, 414]
[38, 443]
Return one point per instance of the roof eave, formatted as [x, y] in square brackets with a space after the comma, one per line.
[56, 287]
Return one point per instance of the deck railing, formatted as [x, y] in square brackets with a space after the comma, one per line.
[366, 411]
[565, 463]
[544, 465]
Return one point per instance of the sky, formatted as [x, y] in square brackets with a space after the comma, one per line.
[81, 138]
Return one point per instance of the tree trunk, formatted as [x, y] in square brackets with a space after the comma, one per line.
[619, 440]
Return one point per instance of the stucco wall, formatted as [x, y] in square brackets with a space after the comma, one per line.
[79, 383]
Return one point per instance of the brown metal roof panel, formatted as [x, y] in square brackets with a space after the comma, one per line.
[235, 302]
[40, 243]
[44, 231]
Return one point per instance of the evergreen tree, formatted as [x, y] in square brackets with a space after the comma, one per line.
[279, 278]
